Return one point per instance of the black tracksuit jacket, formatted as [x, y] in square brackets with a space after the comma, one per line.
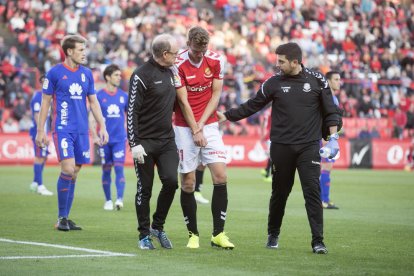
[151, 103]
[301, 105]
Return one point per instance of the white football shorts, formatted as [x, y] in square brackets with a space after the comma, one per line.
[191, 155]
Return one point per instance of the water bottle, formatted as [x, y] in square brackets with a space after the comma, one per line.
[325, 152]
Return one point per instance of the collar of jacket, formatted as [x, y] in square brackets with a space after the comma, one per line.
[300, 75]
[156, 64]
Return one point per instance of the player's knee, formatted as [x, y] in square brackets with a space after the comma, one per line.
[220, 178]
[188, 186]
[69, 170]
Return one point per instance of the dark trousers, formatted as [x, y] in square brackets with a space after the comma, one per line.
[286, 159]
[163, 154]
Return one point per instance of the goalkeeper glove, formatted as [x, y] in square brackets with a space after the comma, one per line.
[331, 149]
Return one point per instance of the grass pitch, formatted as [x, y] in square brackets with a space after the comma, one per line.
[371, 234]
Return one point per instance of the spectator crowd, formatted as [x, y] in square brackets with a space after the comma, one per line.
[368, 41]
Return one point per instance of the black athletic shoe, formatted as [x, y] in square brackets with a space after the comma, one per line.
[62, 224]
[272, 241]
[162, 238]
[319, 248]
[73, 226]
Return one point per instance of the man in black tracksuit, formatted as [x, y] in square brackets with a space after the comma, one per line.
[302, 106]
[151, 137]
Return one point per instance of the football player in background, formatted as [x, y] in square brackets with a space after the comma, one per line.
[334, 80]
[113, 102]
[70, 84]
[40, 154]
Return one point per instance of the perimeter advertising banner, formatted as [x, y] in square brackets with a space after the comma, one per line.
[17, 149]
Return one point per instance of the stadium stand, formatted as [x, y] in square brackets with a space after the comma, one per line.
[368, 41]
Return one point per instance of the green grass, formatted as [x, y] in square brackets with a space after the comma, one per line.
[371, 234]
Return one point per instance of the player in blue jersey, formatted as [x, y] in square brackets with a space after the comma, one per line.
[334, 80]
[69, 84]
[113, 102]
[40, 154]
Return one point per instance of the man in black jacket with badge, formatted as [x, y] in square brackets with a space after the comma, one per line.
[302, 109]
[151, 137]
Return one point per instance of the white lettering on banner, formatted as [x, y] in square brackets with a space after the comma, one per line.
[357, 158]
[235, 152]
[12, 150]
[18, 150]
[257, 154]
[395, 154]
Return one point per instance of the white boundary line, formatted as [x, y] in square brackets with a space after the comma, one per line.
[99, 253]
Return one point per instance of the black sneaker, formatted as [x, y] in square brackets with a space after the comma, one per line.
[73, 226]
[272, 241]
[62, 224]
[319, 248]
[161, 236]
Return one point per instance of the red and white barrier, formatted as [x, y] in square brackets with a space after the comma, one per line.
[17, 149]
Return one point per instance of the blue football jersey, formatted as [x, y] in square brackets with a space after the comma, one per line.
[35, 104]
[69, 88]
[114, 106]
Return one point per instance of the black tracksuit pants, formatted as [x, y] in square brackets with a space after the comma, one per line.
[286, 159]
[163, 154]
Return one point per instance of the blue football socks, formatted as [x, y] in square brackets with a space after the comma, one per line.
[325, 185]
[63, 184]
[119, 181]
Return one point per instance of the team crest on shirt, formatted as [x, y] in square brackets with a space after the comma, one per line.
[121, 100]
[83, 77]
[207, 73]
[306, 88]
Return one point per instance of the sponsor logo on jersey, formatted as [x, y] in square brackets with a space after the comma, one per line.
[119, 154]
[64, 114]
[45, 83]
[190, 77]
[199, 88]
[75, 91]
[207, 73]
[285, 89]
[306, 88]
[113, 111]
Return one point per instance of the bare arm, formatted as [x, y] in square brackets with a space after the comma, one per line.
[213, 103]
[97, 114]
[92, 128]
[41, 139]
